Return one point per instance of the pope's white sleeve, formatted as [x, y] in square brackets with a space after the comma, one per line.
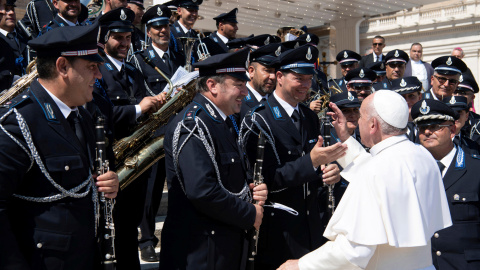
[339, 254]
[354, 150]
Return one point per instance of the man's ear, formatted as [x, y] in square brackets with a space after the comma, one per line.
[62, 66]
[212, 86]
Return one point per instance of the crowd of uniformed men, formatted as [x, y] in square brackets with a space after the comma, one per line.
[266, 83]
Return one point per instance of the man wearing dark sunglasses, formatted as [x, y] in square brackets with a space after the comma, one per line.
[452, 247]
[446, 76]
[378, 43]
[395, 62]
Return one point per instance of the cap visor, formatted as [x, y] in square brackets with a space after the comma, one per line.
[239, 75]
[93, 57]
[430, 122]
[304, 70]
[351, 104]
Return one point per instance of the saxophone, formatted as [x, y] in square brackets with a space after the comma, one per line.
[139, 151]
[21, 84]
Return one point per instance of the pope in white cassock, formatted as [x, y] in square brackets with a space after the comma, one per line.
[395, 200]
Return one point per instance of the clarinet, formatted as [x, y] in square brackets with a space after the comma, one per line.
[326, 142]
[107, 227]
[257, 180]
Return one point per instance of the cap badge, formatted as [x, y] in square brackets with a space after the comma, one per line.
[308, 38]
[449, 61]
[382, 66]
[461, 78]
[123, 16]
[159, 11]
[107, 36]
[278, 51]
[267, 41]
[296, 45]
[424, 109]
[309, 54]
[246, 62]
[453, 100]
[403, 83]
[396, 53]
[361, 74]
[345, 55]
[350, 96]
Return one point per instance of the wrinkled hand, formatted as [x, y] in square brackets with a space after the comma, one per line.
[331, 174]
[108, 183]
[339, 122]
[258, 217]
[325, 155]
[289, 265]
[150, 104]
[260, 193]
[316, 106]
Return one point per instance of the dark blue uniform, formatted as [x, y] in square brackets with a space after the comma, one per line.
[154, 80]
[338, 82]
[292, 181]
[458, 246]
[45, 235]
[215, 44]
[248, 103]
[38, 14]
[206, 223]
[385, 84]
[55, 23]
[7, 65]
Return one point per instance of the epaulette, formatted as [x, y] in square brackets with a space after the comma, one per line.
[257, 108]
[130, 66]
[18, 99]
[191, 113]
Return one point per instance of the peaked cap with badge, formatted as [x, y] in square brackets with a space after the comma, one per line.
[188, 4]
[230, 16]
[467, 83]
[347, 57]
[309, 38]
[430, 112]
[378, 67]
[396, 56]
[157, 15]
[449, 65]
[233, 64]
[457, 103]
[257, 41]
[346, 99]
[266, 55]
[406, 85]
[360, 77]
[300, 60]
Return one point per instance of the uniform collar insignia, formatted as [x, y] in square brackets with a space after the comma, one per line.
[403, 83]
[248, 97]
[49, 111]
[109, 67]
[267, 41]
[461, 78]
[309, 54]
[123, 16]
[424, 109]
[345, 54]
[449, 61]
[278, 51]
[453, 100]
[178, 29]
[396, 53]
[210, 110]
[215, 39]
[460, 162]
[151, 53]
[277, 113]
[362, 74]
[350, 96]
[159, 11]
[308, 38]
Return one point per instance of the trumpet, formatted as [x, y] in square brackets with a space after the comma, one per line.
[188, 43]
[202, 50]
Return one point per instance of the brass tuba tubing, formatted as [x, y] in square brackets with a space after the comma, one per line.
[21, 84]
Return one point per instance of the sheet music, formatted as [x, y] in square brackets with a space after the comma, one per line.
[181, 78]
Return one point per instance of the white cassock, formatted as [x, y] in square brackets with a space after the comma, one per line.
[393, 205]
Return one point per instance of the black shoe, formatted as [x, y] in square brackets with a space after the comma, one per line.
[148, 254]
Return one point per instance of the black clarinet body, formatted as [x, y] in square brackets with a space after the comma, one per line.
[257, 180]
[326, 124]
[106, 235]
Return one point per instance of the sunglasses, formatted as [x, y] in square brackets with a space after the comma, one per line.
[396, 65]
[442, 80]
[432, 128]
[377, 44]
[362, 88]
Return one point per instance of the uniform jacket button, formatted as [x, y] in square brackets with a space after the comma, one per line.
[436, 235]
[233, 160]
[213, 232]
[118, 97]
[289, 152]
[272, 214]
[67, 168]
[39, 245]
[439, 253]
[308, 212]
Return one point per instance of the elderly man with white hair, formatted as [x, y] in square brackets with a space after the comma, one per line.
[395, 200]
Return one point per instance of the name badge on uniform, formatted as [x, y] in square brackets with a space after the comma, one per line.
[460, 162]
[152, 54]
[248, 97]
[49, 111]
[277, 113]
[108, 66]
